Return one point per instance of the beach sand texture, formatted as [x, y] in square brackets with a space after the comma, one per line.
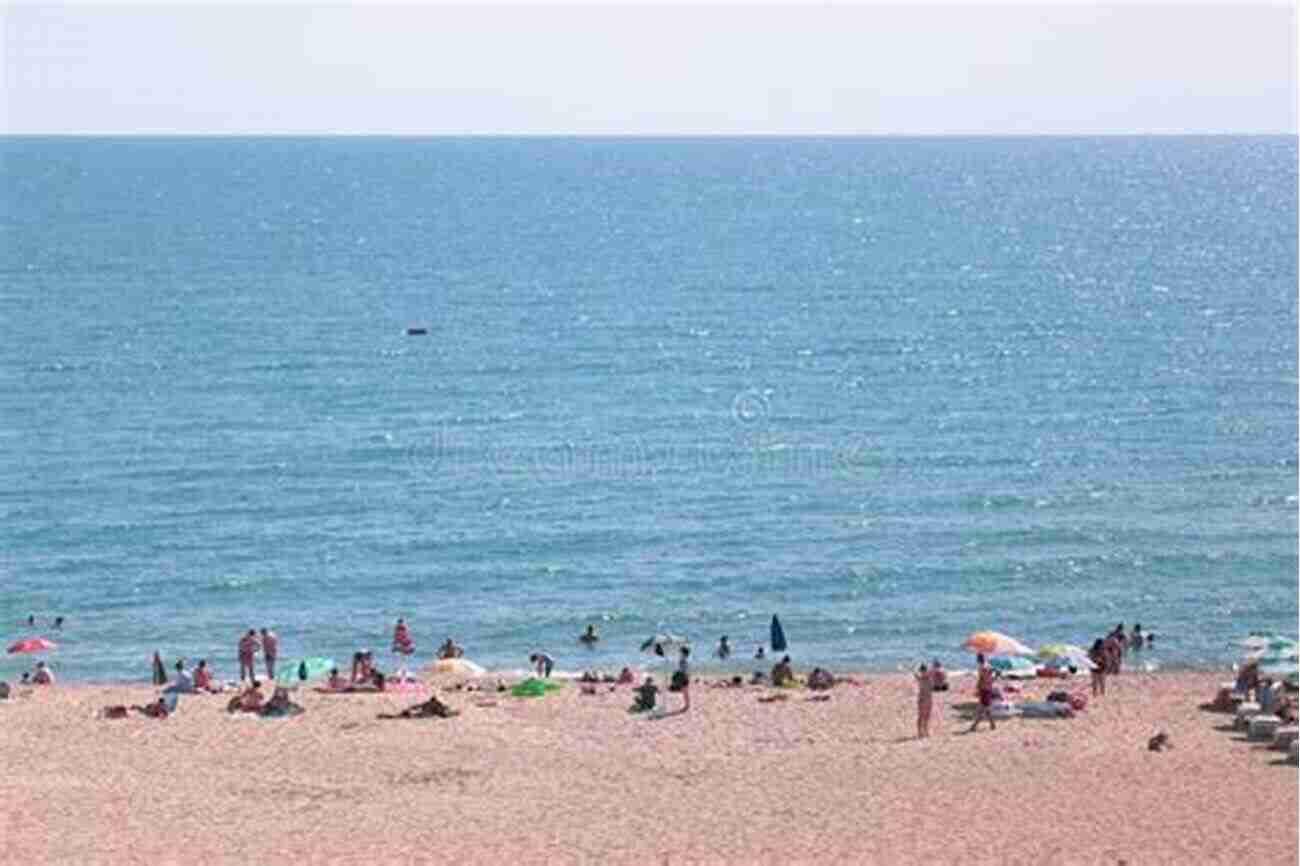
[575, 779]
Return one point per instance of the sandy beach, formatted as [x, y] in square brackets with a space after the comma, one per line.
[574, 778]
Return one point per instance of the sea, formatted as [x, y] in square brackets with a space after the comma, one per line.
[893, 390]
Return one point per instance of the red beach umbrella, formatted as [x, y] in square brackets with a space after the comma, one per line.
[32, 645]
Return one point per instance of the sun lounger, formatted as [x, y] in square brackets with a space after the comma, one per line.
[1046, 710]
[1285, 736]
[1263, 727]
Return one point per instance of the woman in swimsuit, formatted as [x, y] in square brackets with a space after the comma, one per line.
[924, 701]
[984, 690]
[1100, 658]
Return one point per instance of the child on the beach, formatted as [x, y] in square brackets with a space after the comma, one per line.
[924, 701]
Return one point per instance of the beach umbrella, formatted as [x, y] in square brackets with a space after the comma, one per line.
[1007, 664]
[1275, 646]
[32, 645]
[457, 667]
[992, 643]
[1260, 640]
[301, 670]
[1069, 653]
[1279, 665]
[663, 644]
[777, 635]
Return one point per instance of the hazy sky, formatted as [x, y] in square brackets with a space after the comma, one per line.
[667, 69]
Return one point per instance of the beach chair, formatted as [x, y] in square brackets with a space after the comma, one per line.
[1285, 736]
[1245, 712]
[1263, 728]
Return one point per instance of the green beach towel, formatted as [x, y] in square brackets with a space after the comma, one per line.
[534, 688]
[301, 670]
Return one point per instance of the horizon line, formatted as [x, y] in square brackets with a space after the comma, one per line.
[652, 135]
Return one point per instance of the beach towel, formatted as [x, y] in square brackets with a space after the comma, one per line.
[534, 688]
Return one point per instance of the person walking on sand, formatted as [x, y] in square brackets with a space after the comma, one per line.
[682, 678]
[924, 701]
[248, 647]
[1100, 656]
[984, 692]
[270, 651]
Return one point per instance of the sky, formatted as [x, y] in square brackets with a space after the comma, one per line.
[808, 68]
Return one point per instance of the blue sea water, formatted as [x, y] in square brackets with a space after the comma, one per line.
[894, 390]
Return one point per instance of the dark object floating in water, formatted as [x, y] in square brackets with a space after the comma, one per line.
[416, 332]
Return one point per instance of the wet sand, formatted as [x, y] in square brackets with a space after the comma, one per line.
[571, 778]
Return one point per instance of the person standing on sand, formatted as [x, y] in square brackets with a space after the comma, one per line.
[248, 647]
[924, 701]
[682, 678]
[984, 691]
[1100, 658]
[270, 651]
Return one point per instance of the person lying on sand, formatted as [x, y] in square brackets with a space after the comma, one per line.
[432, 708]
[156, 710]
[280, 704]
[646, 695]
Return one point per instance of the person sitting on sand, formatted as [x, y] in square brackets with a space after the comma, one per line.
[646, 695]
[626, 677]
[724, 648]
[336, 680]
[432, 708]
[450, 650]
[42, 676]
[203, 678]
[363, 667]
[589, 637]
[938, 676]
[4, 690]
[820, 679]
[249, 701]
[183, 683]
[783, 673]
[543, 664]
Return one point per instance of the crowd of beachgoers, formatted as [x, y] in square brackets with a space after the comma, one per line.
[999, 662]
